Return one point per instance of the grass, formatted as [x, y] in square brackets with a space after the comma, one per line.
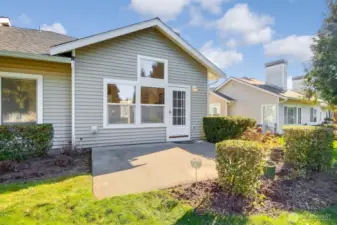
[70, 201]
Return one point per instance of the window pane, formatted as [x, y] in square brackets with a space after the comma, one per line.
[152, 114]
[299, 111]
[152, 69]
[291, 115]
[121, 114]
[150, 95]
[18, 100]
[120, 93]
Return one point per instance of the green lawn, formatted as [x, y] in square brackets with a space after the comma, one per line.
[70, 201]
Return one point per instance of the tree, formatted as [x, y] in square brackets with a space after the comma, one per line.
[322, 78]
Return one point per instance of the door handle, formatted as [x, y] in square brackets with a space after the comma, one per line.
[170, 111]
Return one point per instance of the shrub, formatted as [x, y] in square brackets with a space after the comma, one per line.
[19, 141]
[268, 140]
[309, 147]
[223, 128]
[240, 165]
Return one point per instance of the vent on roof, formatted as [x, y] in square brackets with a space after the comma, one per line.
[5, 21]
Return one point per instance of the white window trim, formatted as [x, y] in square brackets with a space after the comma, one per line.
[39, 91]
[153, 82]
[138, 105]
[215, 105]
[297, 117]
[276, 114]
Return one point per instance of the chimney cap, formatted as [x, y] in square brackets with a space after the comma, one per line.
[273, 63]
[5, 21]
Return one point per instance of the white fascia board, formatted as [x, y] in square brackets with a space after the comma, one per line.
[66, 47]
[23, 55]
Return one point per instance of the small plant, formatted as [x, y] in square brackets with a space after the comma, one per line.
[67, 149]
[309, 147]
[7, 166]
[240, 165]
[63, 160]
[223, 128]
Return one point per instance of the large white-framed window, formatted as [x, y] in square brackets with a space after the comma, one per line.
[214, 109]
[139, 103]
[21, 98]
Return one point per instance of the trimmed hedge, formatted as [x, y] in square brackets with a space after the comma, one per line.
[223, 128]
[309, 147]
[240, 165]
[19, 141]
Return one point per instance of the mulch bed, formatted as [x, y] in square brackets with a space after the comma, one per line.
[316, 191]
[50, 166]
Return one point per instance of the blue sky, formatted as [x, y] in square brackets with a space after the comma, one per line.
[239, 36]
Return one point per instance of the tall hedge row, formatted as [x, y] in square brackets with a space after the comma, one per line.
[19, 141]
[223, 128]
[309, 147]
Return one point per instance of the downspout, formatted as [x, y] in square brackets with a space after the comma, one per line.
[73, 139]
[278, 114]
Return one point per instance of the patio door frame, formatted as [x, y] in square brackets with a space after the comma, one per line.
[186, 129]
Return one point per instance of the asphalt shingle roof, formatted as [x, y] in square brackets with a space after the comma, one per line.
[29, 40]
[275, 90]
[224, 96]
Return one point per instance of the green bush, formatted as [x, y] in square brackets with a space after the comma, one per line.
[309, 147]
[223, 128]
[19, 141]
[240, 165]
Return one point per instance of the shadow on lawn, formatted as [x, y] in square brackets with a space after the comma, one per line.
[191, 218]
[17, 186]
[323, 217]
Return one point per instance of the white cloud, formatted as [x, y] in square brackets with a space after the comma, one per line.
[253, 27]
[24, 20]
[213, 6]
[165, 9]
[223, 59]
[231, 43]
[197, 19]
[55, 27]
[295, 47]
[259, 36]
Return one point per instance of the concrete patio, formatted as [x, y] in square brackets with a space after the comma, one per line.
[142, 168]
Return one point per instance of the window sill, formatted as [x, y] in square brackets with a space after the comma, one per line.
[133, 126]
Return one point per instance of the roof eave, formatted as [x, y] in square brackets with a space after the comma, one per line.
[24, 55]
[168, 32]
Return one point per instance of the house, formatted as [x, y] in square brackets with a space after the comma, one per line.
[137, 84]
[271, 103]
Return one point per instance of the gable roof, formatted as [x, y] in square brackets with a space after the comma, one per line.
[223, 96]
[15, 39]
[157, 23]
[260, 85]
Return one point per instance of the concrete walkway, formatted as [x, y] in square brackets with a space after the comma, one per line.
[143, 168]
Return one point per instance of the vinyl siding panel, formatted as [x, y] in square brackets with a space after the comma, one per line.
[56, 92]
[117, 59]
[248, 100]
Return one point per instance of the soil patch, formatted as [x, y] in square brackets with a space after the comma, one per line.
[46, 167]
[316, 191]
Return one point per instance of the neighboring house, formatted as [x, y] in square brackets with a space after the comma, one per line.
[137, 84]
[271, 103]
